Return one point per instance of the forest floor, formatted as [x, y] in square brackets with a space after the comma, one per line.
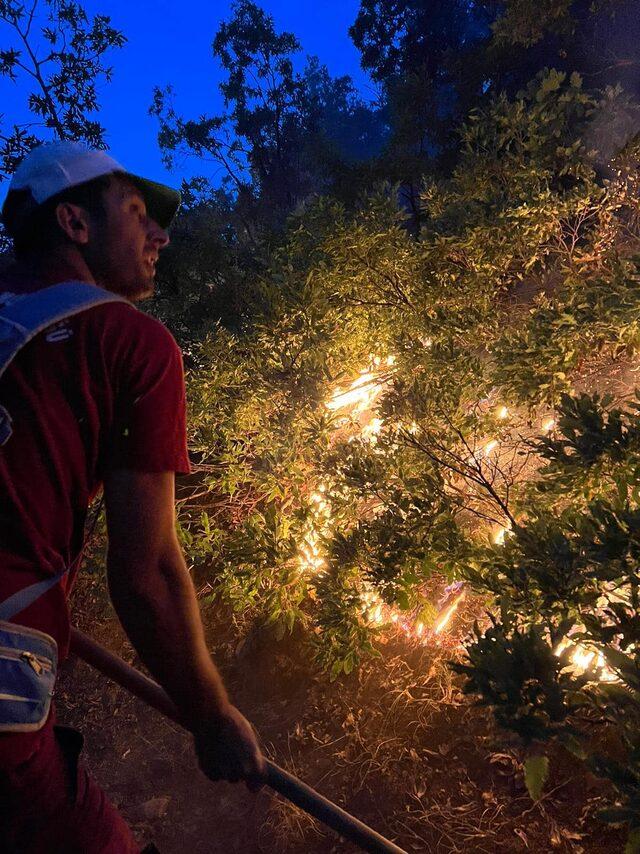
[396, 744]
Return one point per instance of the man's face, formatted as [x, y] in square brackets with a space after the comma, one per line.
[124, 246]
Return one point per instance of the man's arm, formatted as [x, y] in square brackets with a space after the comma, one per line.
[154, 598]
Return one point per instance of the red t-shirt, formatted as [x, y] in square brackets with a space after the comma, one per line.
[102, 390]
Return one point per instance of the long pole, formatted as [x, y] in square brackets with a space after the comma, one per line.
[281, 781]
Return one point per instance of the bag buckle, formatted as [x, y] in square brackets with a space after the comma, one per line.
[6, 430]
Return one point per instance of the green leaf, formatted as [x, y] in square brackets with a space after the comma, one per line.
[573, 745]
[336, 670]
[633, 842]
[536, 772]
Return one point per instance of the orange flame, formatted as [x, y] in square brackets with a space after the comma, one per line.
[444, 618]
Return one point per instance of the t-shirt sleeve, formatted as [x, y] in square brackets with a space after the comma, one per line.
[149, 426]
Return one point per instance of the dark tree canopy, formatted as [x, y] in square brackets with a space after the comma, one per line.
[400, 37]
[285, 135]
[437, 59]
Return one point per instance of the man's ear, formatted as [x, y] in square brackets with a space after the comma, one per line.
[74, 221]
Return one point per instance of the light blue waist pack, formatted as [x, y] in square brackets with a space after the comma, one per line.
[28, 664]
[29, 658]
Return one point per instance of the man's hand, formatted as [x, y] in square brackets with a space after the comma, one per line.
[228, 750]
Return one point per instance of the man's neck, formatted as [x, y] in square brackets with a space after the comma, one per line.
[63, 265]
[33, 274]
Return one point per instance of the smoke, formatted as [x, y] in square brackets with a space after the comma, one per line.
[614, 69]
[614, 130]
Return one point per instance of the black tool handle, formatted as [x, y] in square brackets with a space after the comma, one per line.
[281, 781]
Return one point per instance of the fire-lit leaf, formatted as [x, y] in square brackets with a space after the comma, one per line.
[536, 773]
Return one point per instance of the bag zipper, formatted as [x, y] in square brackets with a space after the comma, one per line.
[36, 662]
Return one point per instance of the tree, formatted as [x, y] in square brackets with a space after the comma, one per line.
[64, 77]
[284, 134]
[204, 275]
[437, 60]
[416, 51]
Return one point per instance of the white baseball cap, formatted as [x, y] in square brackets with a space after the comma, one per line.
[52, 167]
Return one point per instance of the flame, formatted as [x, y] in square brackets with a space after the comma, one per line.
[362, 393]
[365, 388]
[373, 608]
[501, 533]
[372, 430]
[444, 618]
[483, 452]
[583, 659]
[490, 447]
[359, 397]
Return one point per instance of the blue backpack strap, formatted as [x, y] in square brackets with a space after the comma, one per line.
[23, 317]
[23, 598]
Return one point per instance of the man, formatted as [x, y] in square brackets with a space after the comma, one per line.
[99, 400]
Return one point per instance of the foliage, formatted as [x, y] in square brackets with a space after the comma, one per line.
[566, 586]
[536, 363]
[64, 96]
[291, 291]
[536, 772]
[336, 518]
[397, 38]
[522, 24]
[204, 273]
[284, 135]
[348, 286]
[436, 61]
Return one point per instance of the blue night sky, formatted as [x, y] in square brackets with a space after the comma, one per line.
[170, 43]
